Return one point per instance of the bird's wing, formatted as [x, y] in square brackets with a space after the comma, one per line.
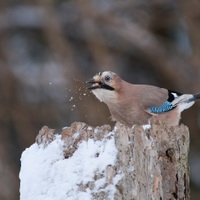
[169, 104]
[151, 99]
[156, 100]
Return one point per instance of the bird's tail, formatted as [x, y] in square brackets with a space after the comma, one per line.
[186, 98]
[196, 96]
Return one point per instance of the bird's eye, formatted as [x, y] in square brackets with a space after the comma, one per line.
[107, 78]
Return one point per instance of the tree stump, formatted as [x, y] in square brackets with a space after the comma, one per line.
[154, 162]
[151, 161]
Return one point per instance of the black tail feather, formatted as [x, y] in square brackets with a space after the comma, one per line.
[196, 96]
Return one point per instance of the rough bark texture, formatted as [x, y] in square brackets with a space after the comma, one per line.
[153, 162]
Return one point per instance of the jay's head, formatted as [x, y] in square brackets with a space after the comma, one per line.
[105, 86]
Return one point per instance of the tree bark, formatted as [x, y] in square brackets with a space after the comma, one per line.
[153, 161]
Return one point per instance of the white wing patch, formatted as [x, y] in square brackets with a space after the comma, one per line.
[185, 98]
[183, 102]
[174, 94]
[184, 106]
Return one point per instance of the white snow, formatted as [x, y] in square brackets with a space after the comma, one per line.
[46, 175]
[89, 128]
[146, 126]
[71, 98]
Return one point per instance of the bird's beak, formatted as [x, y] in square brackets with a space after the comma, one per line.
[98, 84]
[91, 81]
[95, 84]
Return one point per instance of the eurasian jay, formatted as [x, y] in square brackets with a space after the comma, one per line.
[135, 104]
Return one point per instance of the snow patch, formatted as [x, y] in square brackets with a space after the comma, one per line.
[46, 175]
[146, 126]
[89, 128]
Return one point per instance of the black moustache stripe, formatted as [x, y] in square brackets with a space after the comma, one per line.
[107, 87]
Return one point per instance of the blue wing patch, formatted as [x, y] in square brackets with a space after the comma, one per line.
[167, 106]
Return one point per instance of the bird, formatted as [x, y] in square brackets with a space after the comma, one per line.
[132, 104]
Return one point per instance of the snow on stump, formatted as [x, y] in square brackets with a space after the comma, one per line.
[139, 163]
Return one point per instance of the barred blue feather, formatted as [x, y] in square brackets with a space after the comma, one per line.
[167, 106]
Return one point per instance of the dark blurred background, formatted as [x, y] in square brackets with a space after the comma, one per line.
[48, 49]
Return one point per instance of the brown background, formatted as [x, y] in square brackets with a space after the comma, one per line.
[48, 49]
